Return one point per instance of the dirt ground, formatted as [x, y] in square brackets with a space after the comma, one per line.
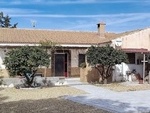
[126, 86]
[46, 100]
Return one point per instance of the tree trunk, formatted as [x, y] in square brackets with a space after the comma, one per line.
[29, 79]
[105, 79]
[100, 74]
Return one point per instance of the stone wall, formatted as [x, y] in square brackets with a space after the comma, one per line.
[89, 74]
[75, 72]
[46, 72]
[4, 73]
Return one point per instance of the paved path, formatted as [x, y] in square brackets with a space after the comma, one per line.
[117, 102]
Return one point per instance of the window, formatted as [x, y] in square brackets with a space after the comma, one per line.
[131, 58]
[81, 59]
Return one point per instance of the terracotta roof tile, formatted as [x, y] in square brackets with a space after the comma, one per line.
[8, 35]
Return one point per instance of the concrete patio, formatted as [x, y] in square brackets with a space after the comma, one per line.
[117, 102]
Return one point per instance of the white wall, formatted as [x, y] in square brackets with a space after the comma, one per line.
[119, 73]
[2, 56]
[138, 40]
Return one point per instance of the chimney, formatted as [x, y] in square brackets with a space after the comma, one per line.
[101, 29]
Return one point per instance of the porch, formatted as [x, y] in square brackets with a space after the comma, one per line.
[64, 63]
[139, 63]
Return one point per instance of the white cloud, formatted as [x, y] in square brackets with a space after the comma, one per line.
[19, 2]
[77, 22]
[17, 11]
[51, 2]
[112, 21]
[132, 15]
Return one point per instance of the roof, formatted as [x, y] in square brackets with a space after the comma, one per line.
[135, 50]
[128, 33]
[121, 35]
[34, 36]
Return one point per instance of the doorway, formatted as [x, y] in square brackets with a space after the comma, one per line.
[61, 64]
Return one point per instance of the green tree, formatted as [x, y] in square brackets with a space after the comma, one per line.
[25, 61]
[5, 21]
[49, 45]
[104, 58]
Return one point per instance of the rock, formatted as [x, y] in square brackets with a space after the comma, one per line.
[5, 86]
[59, 83]
[2, 86]
[134, 78]
[11, 85]
[65, 83]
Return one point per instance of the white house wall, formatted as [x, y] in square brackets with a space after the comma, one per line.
[2, 56]
[139, 39]
[120, 72]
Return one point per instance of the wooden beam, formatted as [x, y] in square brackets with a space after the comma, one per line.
[149, 77]
[143, 67]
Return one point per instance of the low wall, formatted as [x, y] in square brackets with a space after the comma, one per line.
[89, 74]
[75, 72]
[4, 73]
[120, 72]
[20, 80]
[46, 72]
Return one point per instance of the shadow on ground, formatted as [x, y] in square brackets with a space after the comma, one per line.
[2, 98]
[110, 105]
[51, 105]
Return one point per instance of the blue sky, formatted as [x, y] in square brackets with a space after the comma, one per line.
[79, 15]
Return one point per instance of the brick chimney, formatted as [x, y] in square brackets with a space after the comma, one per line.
[101, 29]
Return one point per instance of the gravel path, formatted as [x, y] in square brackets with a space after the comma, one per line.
[46, 100]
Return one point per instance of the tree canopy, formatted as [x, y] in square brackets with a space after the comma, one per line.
[25, 61]
[47, 44]
[5, 21]
[104, 58]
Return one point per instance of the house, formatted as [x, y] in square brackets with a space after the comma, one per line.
[136, 44]
[64, 62]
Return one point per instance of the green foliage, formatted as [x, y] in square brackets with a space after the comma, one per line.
[25, 61]
[107, 56]
[1, 80]
[83, 65]
[48, 44]
[5, 21]
[103, 58]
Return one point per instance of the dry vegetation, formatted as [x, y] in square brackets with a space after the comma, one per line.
[46, 100]
[122, 87]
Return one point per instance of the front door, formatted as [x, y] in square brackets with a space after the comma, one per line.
[60, 64]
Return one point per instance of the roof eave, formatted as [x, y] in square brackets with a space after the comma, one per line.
[32, 44]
